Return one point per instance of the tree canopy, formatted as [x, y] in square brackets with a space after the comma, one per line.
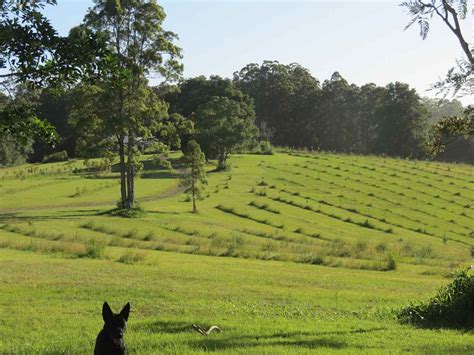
[222, 125]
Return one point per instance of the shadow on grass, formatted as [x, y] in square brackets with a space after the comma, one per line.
[165, 174]
[228, 341]
[61, 215]
[325, 339]
[163, 212]
[214, 344]
[163, 327]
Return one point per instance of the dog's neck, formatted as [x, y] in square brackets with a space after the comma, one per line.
[116, 341]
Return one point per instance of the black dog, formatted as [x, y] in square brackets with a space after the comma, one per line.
[110, 339]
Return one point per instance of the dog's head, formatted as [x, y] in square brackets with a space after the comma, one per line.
[115, 324]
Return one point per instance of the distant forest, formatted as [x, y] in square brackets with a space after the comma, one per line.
[291, 109]
[294, 109]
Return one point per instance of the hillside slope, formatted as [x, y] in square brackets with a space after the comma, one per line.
[335, 210]
[357, 217]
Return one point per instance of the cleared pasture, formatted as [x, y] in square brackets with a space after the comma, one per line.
[293, 252]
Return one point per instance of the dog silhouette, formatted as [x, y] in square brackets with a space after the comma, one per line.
[110, 339]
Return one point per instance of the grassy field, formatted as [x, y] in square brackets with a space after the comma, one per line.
[289, 253]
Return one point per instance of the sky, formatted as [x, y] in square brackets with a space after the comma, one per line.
[365, 41]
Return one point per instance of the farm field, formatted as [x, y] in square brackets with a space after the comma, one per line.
[294, 252]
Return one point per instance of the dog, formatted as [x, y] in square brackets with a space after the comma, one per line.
[110, 339]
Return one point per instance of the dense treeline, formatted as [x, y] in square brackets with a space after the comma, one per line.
[294, 109]
[288, 105]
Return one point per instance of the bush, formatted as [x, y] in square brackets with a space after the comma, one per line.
[56, 157]
[135, 212]
[265, 147]
[130, 257]
[12, 153]
[391, 262]
[313, 259]
[94, 249]
[452, 306]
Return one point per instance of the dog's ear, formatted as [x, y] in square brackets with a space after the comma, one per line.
[125, 311]
[107, 313]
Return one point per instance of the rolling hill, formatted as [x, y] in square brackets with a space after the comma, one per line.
[291, 252]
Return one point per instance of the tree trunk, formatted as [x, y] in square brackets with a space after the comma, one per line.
[221, 160]
[194, 194]
[131, 192]
[130, 175]
[123, 188]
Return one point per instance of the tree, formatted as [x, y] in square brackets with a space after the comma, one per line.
[286, 97]
[401, 122]
[450, 129]
[191, 93]
[11, 152]
[340, 113]
[19, 121]
[186, 98]
[194, 179]
[370, 100]
[34, 54]
[139, 46]
[222, 125]
[442, 108]
[458, 79]
[451, 12]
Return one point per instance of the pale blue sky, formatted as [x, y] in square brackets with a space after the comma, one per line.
[363, 40]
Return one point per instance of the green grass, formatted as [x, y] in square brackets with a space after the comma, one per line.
[295, 253]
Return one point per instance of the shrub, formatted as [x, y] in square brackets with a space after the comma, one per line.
[131, 234]
[452, 306]
[149, 236]
[262, 183]
[135, 212]
[361, 246]
[313, 259]
[131, 257]
[391, 262]
[56, 157]
[265, 147]
[381, 247]
[94, 249]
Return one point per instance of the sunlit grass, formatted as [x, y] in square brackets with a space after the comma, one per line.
[291, 252]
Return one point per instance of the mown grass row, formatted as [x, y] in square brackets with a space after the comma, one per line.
[371, 194]
[414, 177]
[232, 211]
[367, 223]
[333, 253]
[47, 243]
[419, 202]
[394, 163]
[393, 179]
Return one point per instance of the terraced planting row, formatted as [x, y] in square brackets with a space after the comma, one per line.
[321, 209]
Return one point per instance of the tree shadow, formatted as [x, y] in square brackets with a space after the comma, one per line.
[62, 215]
[214, 344]
[176, 163]
[163, 212]
[164, 174]
[163, 327]
[101, 177]
[326, 339]
[228, 341]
